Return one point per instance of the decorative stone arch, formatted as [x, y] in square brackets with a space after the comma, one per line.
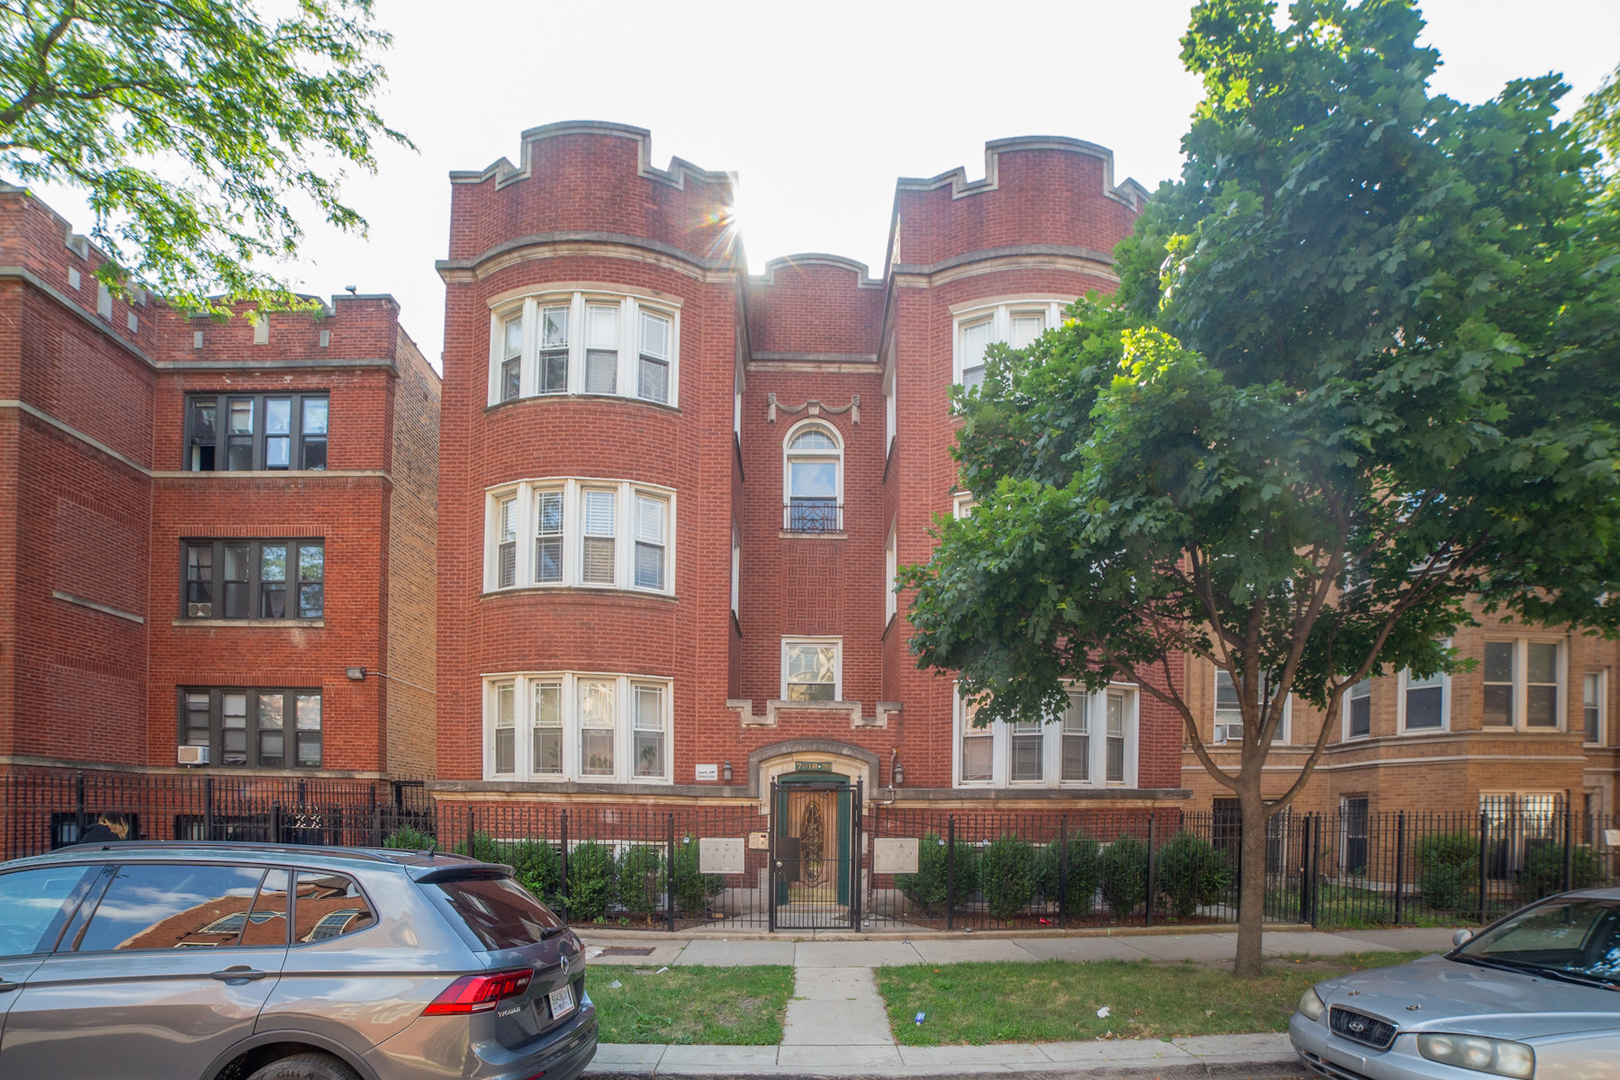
[769, 762]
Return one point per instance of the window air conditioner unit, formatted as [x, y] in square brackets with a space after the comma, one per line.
[1225, 733]
[194, 755]
[199, 611]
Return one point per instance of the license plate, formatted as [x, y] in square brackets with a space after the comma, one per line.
[562, 1001]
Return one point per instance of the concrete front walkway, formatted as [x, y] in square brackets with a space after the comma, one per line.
[1209, 948]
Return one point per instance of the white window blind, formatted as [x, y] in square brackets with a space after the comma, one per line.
[1026, 327]
[548, 539]
[597, 568]
[1026, 750]
[601, 349]
[506, 561]
[1116, 738]
[976, 337]
[650, 542]
[1077, 739]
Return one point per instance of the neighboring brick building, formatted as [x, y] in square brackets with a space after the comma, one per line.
[1526, 732]
[203, 525]
[673, 496]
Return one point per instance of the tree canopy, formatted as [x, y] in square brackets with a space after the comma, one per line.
[194, 127]
[1360, 379]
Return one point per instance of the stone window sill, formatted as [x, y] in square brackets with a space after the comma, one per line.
[256, 624]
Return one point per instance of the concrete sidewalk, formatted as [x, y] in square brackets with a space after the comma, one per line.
[837, 1025]
[1257, 1056]
[1208, 948]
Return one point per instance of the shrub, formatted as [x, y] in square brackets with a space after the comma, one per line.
[590, 881]
[1191, 874]
[927, 887]
[537, 867]
[1084, 874]
[1448, 870]
[693, 889]
[641, 880]
[1124, 875]
[1007, 876]
[484, 848]
[409, 839]
[1543, 872]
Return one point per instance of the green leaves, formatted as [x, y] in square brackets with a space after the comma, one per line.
[193, 126]
[1361, 383]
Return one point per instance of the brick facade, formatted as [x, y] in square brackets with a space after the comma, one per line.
[97, 497]
[584, 226]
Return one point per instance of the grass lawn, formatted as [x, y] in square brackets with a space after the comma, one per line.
[726, 1006]
[1057, 1000]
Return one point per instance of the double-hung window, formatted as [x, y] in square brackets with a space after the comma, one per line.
[595, 533]
[812, 474]
[1061, 751]
[589, 727]
[595, 342]
[978, 326]
[1229, 713]
[1423, 702]
[247, 432]
[810, 669]
[252, 727]
[1358, 710]
[1523, 684]
[255, 579]
[1592, 694]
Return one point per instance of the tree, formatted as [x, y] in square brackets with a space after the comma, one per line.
[1359, 383]
[194, 127]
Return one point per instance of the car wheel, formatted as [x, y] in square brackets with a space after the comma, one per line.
[306, 1067]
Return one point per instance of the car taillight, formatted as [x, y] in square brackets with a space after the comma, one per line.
[478, 993]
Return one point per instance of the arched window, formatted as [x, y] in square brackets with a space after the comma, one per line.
[813, 480]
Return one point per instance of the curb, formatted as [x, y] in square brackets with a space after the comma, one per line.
[1263, 1067]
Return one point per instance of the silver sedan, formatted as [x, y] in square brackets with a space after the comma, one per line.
[1535, 996]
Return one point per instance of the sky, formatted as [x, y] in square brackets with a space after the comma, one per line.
[820, 107]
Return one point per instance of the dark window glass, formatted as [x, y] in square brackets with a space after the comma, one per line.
[269, 729]
[510, 372]
[259, 579]
[37, 904]
[172, 906]
[500, 913]
[329, 906]
[256, 432]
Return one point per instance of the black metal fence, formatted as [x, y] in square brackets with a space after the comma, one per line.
[652, 867]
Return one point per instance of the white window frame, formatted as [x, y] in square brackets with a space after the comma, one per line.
[624, 725]
[962, 504]
[1400, 705]
[1521, 683]
[579, 301]
[891, 572]
[1000, 313]
[573, 535]
[891, 408]
[836, 456]
[1602, 675]
[1344, 712]
[1001, 736]
[736, 569]
[1281, 737]
[838, 662]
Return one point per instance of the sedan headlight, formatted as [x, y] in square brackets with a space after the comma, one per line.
[1310, 1004]
[1480, 1054]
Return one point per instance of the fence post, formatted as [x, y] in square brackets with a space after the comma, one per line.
[1484, 828]
[79, 815]
[857, 888]
[1316, 860]
[669, 878]
[562, 889]
[208, 808]
[1400, 867]
[1148, 913]
[950, 872]
[1063, 868]
[470, 827]
[1569, 845]
[275, 820]
[1304, 862]
[376, 819]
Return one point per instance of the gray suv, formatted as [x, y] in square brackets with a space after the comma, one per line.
[264, 962]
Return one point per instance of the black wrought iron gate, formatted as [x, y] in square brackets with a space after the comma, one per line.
[815, 864]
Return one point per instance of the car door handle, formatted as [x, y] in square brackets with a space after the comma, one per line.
[4, 986]
[241, 972]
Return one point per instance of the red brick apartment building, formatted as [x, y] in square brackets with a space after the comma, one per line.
[203, 525]
[673, 496]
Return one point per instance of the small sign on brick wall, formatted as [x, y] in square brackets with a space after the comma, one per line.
[1611, 837]
[720, 855]
[759, 841]
[894, 856]
[708, 772]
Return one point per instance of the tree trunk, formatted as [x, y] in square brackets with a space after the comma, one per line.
[1252, 869]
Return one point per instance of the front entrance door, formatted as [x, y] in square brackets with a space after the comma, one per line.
[814, 838]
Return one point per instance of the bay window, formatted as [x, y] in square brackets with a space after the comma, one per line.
[1062, 751]
[595, 342]
[1358, 710]
[586, 533]
[589, 727]
[978, 325]
[1524, 682]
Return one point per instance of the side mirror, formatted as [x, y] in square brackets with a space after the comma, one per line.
[1461, 937]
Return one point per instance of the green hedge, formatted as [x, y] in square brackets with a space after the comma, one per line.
[1448, 871]
[693, 890]
[1191, 874]
[926, 888]
[590, 882]
[1084, 873]
[1543, 872]
[409, 839]
[640, 873]
[1007, 876]
[1124, 875]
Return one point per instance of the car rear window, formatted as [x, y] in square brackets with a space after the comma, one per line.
[499, 912]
